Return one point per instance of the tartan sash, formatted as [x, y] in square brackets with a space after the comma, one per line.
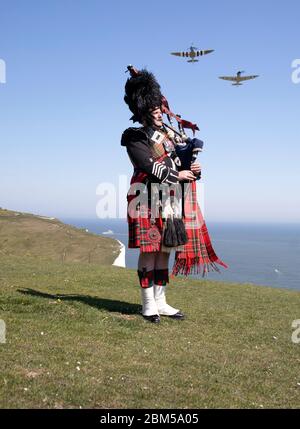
[198, 255]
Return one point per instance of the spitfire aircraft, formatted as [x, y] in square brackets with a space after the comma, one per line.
[238, 78]
[192, 53]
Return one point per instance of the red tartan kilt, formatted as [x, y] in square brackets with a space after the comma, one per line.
[145, 233]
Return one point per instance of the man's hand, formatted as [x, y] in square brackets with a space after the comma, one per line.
[196, 168]
[186, 175]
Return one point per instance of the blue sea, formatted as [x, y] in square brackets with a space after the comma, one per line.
[255, 253]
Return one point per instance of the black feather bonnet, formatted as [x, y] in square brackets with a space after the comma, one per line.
[142, 94]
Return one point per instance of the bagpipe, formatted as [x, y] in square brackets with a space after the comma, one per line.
[186, 149]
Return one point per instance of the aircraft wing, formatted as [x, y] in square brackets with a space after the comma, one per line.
[180, 54]
[242, 78]
[231, 78]
[208, 51]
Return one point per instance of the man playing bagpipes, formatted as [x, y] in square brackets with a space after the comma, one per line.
[163, 213]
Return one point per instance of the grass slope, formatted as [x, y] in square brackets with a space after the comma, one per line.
[31, 235]
[75, 339]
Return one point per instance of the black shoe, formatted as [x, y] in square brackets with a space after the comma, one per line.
[177, 316]
[153, 319]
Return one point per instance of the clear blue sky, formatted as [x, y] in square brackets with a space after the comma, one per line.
[62, 111]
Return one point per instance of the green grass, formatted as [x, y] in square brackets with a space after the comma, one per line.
[26, 234]
[75, 339]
